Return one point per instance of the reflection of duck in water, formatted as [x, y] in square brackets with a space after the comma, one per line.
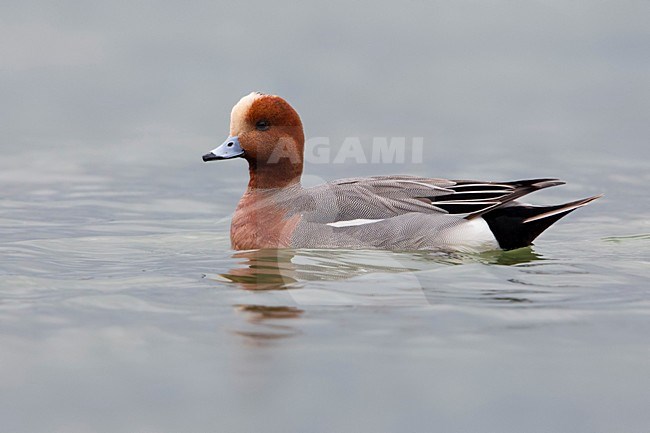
[267, 322]
[267, 269]
[288, 271]
[382, 212]
[282, 269]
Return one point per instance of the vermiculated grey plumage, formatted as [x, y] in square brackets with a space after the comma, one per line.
[411, 212]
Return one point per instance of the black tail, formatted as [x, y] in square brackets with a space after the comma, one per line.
[518, 225]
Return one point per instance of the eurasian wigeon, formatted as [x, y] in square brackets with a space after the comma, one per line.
[385, 212]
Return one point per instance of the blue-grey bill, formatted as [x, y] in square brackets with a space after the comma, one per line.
[229, 149]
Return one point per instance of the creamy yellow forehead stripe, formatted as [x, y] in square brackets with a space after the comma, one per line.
[238, 114]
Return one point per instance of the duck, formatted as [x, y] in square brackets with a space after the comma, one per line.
[398, 212]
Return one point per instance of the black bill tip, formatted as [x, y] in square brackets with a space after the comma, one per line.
[210, 157]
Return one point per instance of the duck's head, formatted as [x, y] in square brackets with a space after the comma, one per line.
[267, 132]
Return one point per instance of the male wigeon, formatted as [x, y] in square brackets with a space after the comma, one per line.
[386, 212]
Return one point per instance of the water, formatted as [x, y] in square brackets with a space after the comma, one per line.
[124, 310]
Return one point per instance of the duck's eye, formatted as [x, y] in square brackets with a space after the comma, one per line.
[262, 125]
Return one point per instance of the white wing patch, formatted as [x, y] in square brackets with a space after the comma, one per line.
[350, 223]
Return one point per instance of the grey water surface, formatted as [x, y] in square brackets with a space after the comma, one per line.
[123, 308]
